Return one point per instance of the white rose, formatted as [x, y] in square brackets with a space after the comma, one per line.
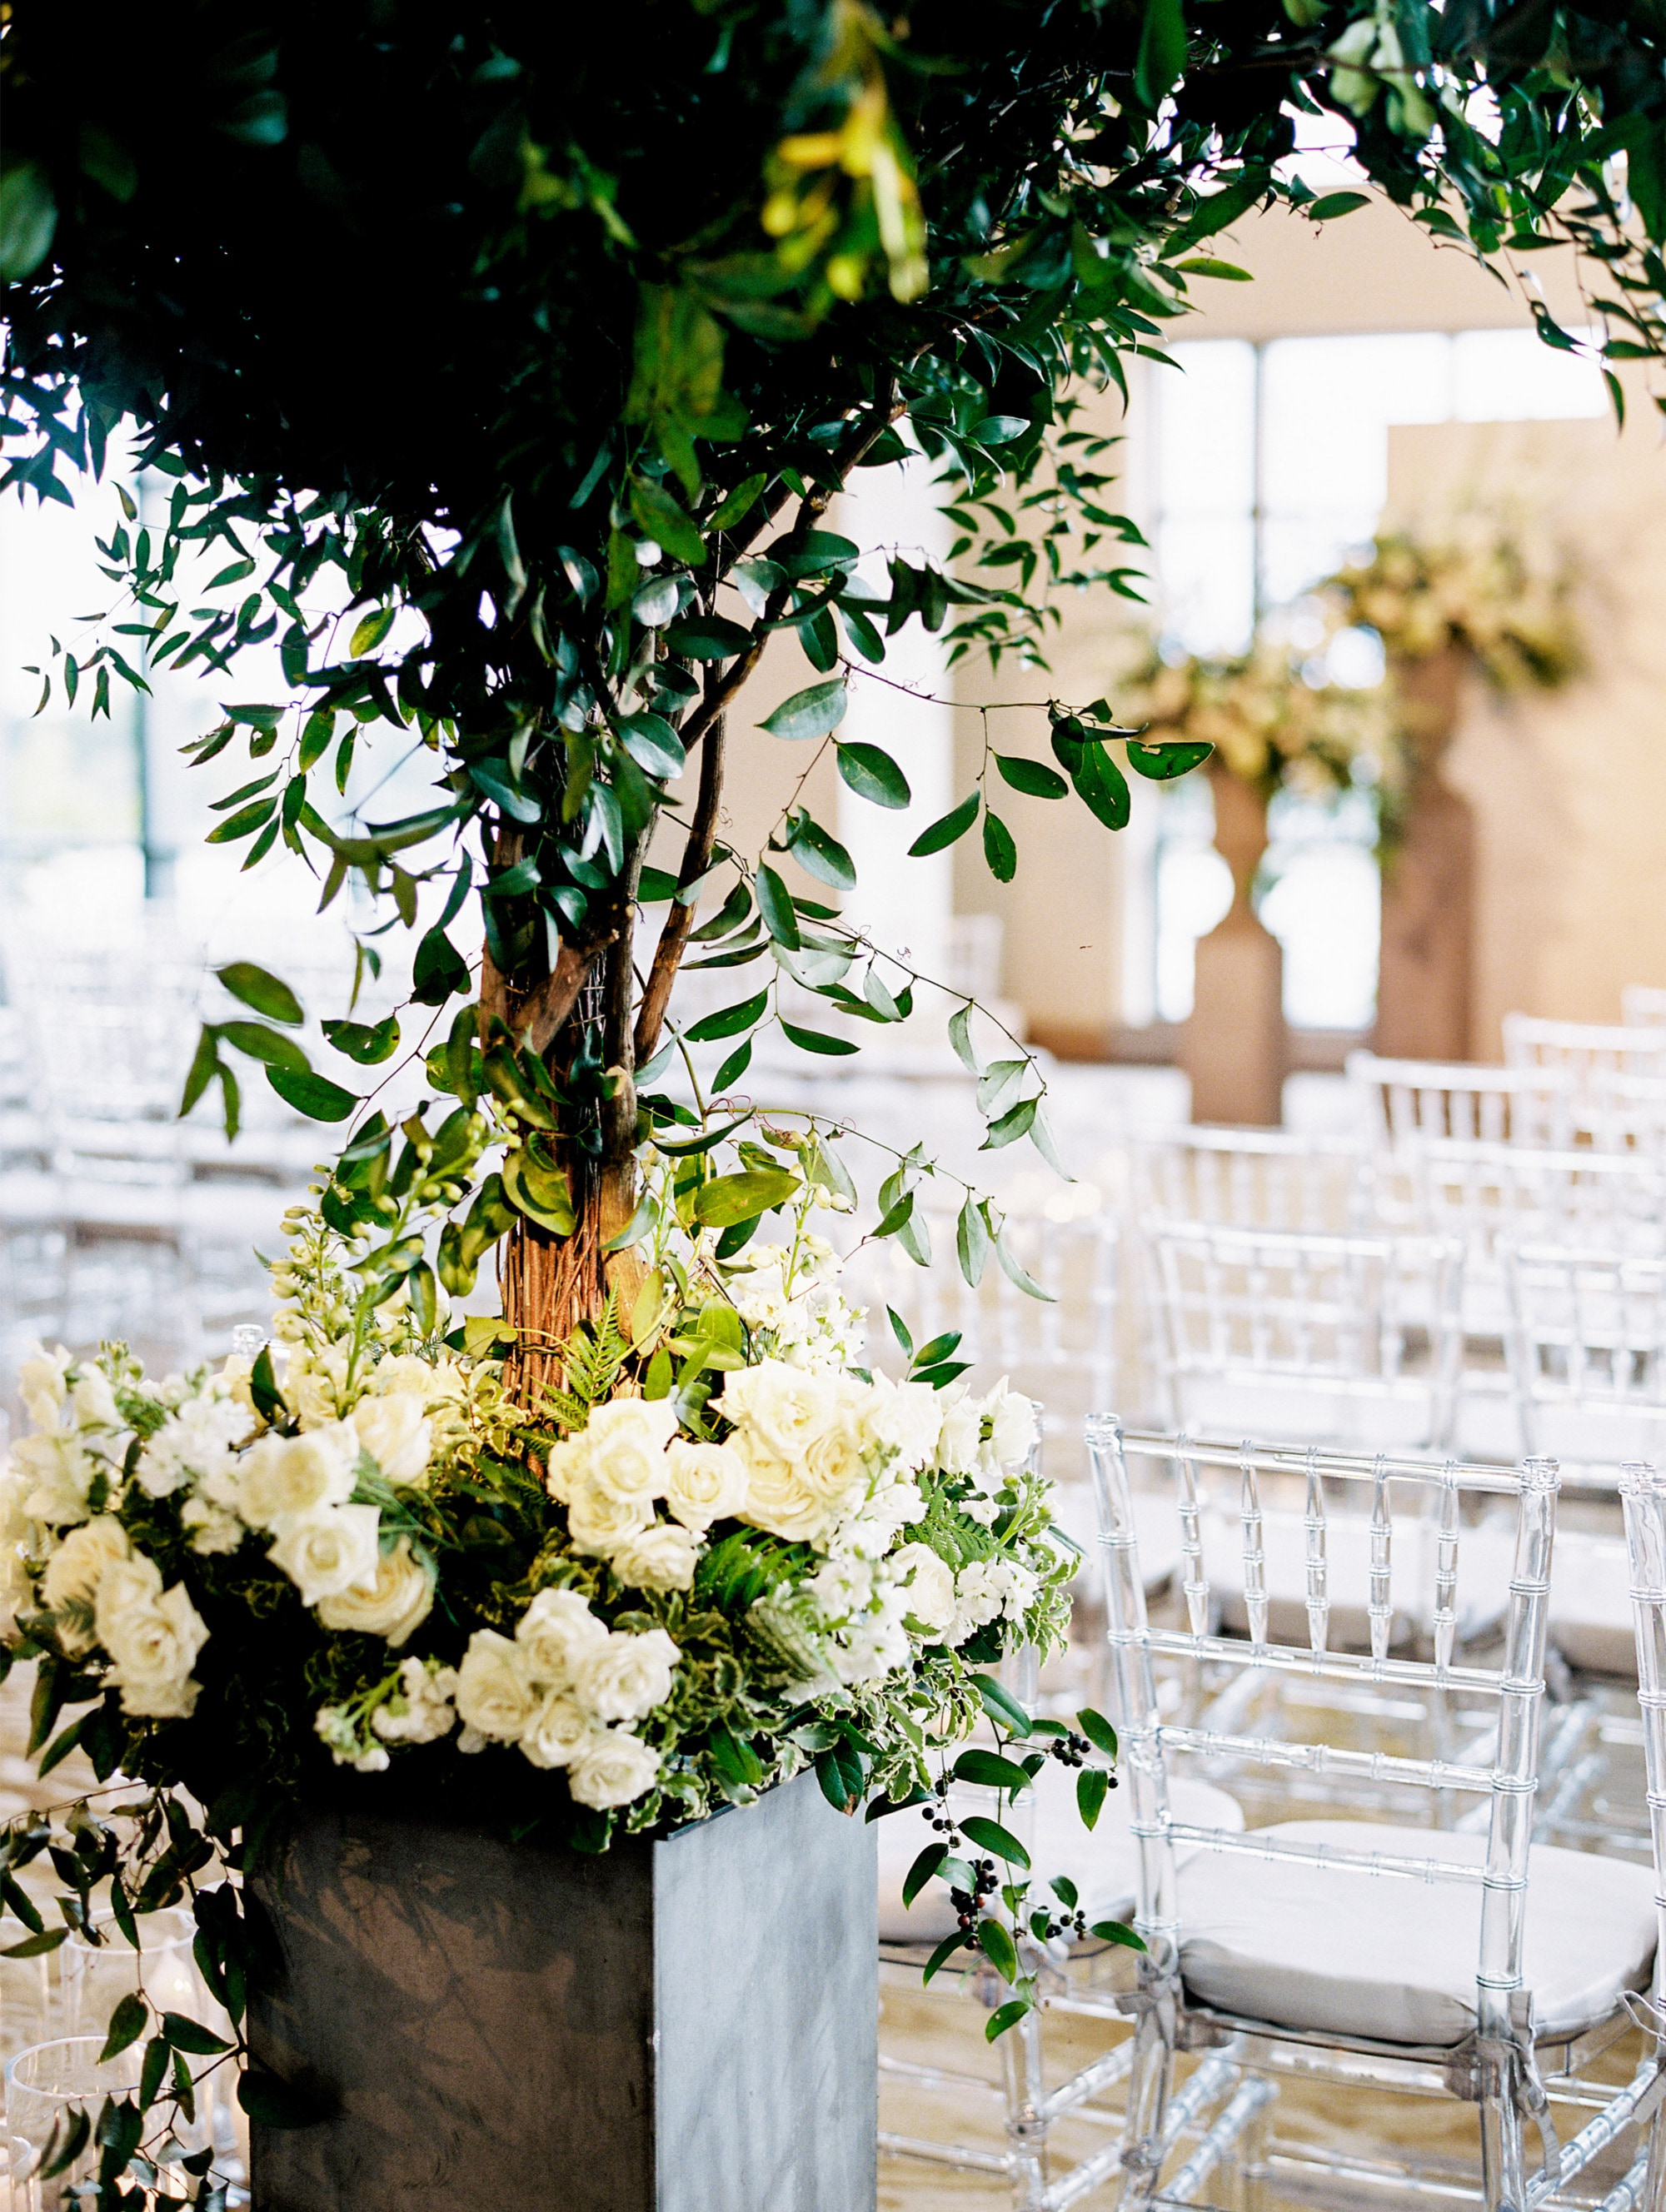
[832, 1465]
[625, 1447]
[397, 1434]
[60, 1472]
[566, 1469]
[42, 1386]
[960, 1434]
[94, 1400]
[627, 1677]
[613, 1768]
[154, 1638]
[1013, 1430]
[599, 1520]
[663, 1558]
[786, 1408]
[327, 1552]
[779, 1499]
[74, 1572]
[906, 1417]
[393, 1604]
[556, 1628]
[558, 1731]
[494, 1694]
[705, 1483]
[284, 1477]
[929, 1585]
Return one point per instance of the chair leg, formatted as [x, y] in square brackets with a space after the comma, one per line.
[1504, 2187]
[1653, 2199]
[1026, 2131]
[1151, 2077]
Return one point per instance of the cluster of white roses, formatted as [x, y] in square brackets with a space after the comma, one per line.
[566, 1688]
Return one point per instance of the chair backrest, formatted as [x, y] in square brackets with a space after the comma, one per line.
[1250, 1178]
[1354, 1339]
[1404, 1101]
[1587, 1346]
[1486, 1194]
[1583, 1048]
[1643, 1499]
[1622, 1113]
[1643, 1006]
[1150, 1742]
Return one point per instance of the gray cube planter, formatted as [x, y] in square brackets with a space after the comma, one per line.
[688, 2025]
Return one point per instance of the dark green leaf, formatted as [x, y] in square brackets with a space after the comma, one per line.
[1115, 1931]
[944, 831]
[653, 745]
[812, 713]
[1162, 763]
[265, 992]
[127, 2025]
[1091, 1784]
[1032, 777]
[706, 637]
[986, 1770]
[990, 1836]
[821, 856]
[1098, 1731]
[960, 1940]
[1162, 54]
[369, 1046]
[873, 775]
[1006, 2016]
[999, 1704]
[998, 850]
[664, 521]
[994, 1941]
[313, 1095]
[187, 2034]
[923, 1870]
[776, 906]
[1102, 784]
[816, 1040]
[1335, 204]
[729, 1021]
[738, 1197]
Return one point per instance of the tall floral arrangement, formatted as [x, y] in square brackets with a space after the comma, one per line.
[1271, 724]
[1495, 587]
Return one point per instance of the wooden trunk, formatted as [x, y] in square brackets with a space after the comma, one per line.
[685, 2026]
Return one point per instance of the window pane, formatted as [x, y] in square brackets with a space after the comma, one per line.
[1512, 376]
[1207, 571]
[1206, 419]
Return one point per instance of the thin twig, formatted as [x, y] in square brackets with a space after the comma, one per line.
[673, 936]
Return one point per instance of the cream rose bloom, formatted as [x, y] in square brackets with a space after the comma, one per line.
[329, 1550]
[705, 1483]
[1014, 1428]
[599, 1520]
[663, 1558]
[60, 1473]
[394, 1604]
[398, 1435]
[75, 1571]
[554, 1632]
[613, 1768]
[495, 1692]
[832, 1465]
[624, 1446]
[565, 1469]
[628, 1676]
[959, 1436]
[778, 1498]
[928, 1594]
[282, 1477]
[153, 1635]
[785, 1408]
[558, 1731]
[905, 1418]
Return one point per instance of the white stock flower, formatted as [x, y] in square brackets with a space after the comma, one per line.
[282, 1477]
[928, 1584]
[613, 1768]
[74, 1572]
[494, 1692]
[152, 1635]
[960, 1434]
[426, 1694]
[16, 1530]
[1014, 1429]
[327, 1552]
[200, 1439]
[215, 1527]
[93, 1401]
[599, 1520]
[42, 1386]
[558, 1731]
[555, 1631]
[662, 1558]
[395, 1603]
[395, 1431]
[60, 1471]
[778, 1498]
[784, 1408]
[315, 1383]
[627, 1677]
[705, 1483]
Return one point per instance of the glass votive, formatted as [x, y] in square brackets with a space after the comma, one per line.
[94, 1977]
[45, 2086]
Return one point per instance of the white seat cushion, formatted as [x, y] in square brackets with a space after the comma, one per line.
[1394, 1960]
[1591, 1603]
[1100, 1862]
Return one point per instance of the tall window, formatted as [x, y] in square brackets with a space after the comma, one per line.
[1270, 463]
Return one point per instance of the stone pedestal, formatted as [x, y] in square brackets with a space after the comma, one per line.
[688, 2025]
[1234, 1046]
[1428, 883]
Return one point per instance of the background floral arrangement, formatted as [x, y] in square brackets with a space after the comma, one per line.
[1270, 725]
[1494, 587]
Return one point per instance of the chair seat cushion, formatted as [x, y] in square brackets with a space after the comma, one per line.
[1393, 1959]
[1101, 1862]
[1591, 1603]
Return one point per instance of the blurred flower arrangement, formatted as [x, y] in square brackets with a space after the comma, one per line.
[1272, 723]
[1494, 587]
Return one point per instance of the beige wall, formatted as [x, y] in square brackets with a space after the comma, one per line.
[1569, 789]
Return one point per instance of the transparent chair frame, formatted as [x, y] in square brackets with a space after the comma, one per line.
[1498, 2068]
[1407, 1101]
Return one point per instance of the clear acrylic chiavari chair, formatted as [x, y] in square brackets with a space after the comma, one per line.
[1583, 1050]
[1473, 1964]
[1349, 1339]
[1405, 1101]
[1250, 1178]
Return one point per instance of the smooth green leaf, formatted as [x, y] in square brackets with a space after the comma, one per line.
[1034, 777]
[187, 2034]
[960, 1940]
[265, 992]
[1162, 54]
[1334, 203]
[665, 522]
[368, 1045]
[775, 905]
[1097, 1730]
[1091, 1784]
[872, 774]
[998, 850]
[370, 632]
[813, 713]
[990, 1836]
[947, 828]
[719, 1204]
[706, 637]
[1205, 265]
[314, 1096]
[816, 1040]
[1162, 763]
[822, 856]
[996, 1942]
[653, 745]
[960, 1036]
[923, 1870]
[1015, 1274]
[972, 1243]
[986, 1770]
[1002, 1707]
[1116, 1931]
[1006, 2016]
[729, 1021]
[739, 500]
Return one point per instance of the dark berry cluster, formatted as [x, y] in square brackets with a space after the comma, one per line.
[968, 1902]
